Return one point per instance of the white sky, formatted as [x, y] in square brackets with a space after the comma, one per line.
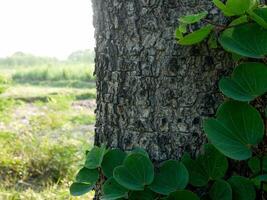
[45, 27]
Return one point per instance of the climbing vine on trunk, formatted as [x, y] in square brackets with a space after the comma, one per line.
[237, 134]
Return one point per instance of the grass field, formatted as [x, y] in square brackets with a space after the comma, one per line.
[46, 124]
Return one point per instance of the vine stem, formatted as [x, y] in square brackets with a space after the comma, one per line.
[215, 24]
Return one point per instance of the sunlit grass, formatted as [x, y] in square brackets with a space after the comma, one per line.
[44, 132]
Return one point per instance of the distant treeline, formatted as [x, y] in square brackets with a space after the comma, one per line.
[23, 59]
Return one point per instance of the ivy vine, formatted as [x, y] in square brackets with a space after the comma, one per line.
[237, 134]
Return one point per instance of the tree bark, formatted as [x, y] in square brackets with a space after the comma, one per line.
[151, 92]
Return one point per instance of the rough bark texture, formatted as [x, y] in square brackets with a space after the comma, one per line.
[151, 92]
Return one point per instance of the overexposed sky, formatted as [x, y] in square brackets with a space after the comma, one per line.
[45, 27]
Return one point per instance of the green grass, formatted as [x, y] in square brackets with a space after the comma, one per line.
[46, 124]
[61, 72]
[83, 119]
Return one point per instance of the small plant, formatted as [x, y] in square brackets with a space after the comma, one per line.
[236, 134]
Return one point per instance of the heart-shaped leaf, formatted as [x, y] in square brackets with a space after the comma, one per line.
[242, 188]
[221, 190]
[112, 190]
[238, 7]
[78, 189]
[136, 172]
[248, 40]
[191, 19]
[211, 165]
[255, 164]
[183, 195]
[235, 7]
[94, 157]
[259, 16]
[88, 176]
[248, 81]
[237, 127]
[196, 36]
[170, 177]
[140, 151]
[112, 159]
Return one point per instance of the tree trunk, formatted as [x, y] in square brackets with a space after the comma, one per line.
[151, 92]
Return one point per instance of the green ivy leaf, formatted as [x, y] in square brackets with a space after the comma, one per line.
[112, 190]
[182, 28]
[235, 7]
[255, 164]
[258, 180]
[183, 195]
[248, 40]
[223, 7]
[248, 82]
[196, 36]
[142, 195]
[94, 157]
[197, 175]
[238, 7]
[212, 165]
[191, 19]
[78, 189]
[88, 176]
[242, 188]
[221, 190]
[240, 20]
[259, 16]
[237, 127]
[170, 177]
[178, 34]
[140, 151]
[112, 159]
[136, 172]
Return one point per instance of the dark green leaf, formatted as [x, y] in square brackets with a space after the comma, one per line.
[142, 195]
[212, 42]
[94, 157]
[182, 28]
[191, 19]
[236, 129]
[255, 164]
[183, 195]
[136, 172]
[242, 188]
[223, 7]
[261, 179]
[178, 34]
[112, 190]
[240, 20]
[221, 190]
[259, 16]
[171, 176]
[212, 165]
[196, 36]
[238, 7]
[248, 40]
[111, 160]
[88, 176]
[248, 82]
[78, 189]
[139, 150]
